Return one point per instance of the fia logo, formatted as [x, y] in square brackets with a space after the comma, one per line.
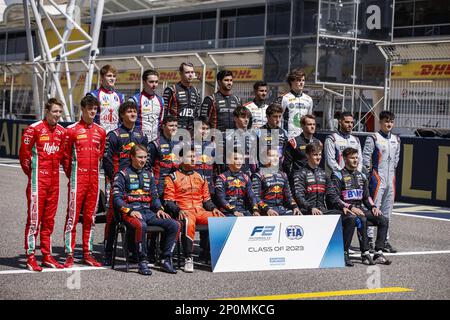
[294, 232]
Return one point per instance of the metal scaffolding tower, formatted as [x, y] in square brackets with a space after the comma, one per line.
[56, 58]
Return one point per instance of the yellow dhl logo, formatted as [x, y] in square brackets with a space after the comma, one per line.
[44, 138]
[81, 136]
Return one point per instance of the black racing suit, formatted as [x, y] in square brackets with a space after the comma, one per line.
[183, 103]
[294, 153]
[219, 109]
[351, 189]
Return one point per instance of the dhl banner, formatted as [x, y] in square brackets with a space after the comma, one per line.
[422, 70]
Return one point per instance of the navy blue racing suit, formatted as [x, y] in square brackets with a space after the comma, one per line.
[135, 190]
[234, 193]
[272, 191]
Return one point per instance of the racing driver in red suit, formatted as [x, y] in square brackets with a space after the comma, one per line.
[83, 148]
[40, 155]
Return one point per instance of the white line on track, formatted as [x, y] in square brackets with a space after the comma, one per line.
[6, 272]
[418, 216]
[53, 270]
[409, 253]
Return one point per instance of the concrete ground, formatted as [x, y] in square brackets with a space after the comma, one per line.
[419, 271]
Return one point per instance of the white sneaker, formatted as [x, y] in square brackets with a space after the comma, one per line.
[189, 265]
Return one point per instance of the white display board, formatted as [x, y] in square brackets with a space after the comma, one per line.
[275, 243]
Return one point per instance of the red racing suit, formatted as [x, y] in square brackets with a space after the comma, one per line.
[40, 155]
[83, 149]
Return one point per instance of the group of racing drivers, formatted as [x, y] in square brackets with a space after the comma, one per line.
[173, 161]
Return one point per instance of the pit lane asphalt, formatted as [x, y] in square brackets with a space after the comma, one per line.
[427, 275]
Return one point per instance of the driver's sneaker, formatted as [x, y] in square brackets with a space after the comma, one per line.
[189, 265]
[367, 259]
[32, 264]
[348, 262]
[69, 261]
[167, 266]
[143, 268]
[50, 262]
[90, 260]
[379, 258]
[389, 248]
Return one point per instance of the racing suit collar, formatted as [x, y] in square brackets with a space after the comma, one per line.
[296, 94]
[183, 86]
[48, 125]
[344, 135]
[311, 168]
[187, 172]
[223, 94]
[350, 171]
[387, 136]
[126, 128]
[146, 94]
[136, 170]
[234, 174]
[258, 103]
[106, 90]
[84, 123]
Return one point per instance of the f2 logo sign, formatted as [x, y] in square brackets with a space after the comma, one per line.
[266, 231]
[374, 20]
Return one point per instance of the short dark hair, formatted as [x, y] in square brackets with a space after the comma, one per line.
[259, 84]
[149, 72]
[50, 102]
[89, 100]
[169, 118]
[185, 64]
[137, 147]
[307, 116]
[295, 74]
[348, 152]
[274, 107]
[125, 106]
[204, 120]
[107, 68]
[314, 147]
[387, 115]
[344, 114]
[242, 111]
[222, 74]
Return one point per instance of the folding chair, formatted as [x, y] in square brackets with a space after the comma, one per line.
[121, 229]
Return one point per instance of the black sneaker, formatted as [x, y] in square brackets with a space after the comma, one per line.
[367, 259]
[348, 262]
[167, 266]
[388, 248]
[143, 268]
[379, 258]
